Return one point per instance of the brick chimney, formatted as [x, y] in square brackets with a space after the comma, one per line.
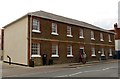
[115, 26]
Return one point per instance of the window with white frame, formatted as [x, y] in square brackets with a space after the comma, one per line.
[54, 50]
[69, 51]
[101, 37]
[36, 25]
[109, 38]
[81, 33]
[54, 29]
[102, 52]
[69, 33]
[35, 50]
[93, 51]
[110, 52]
[92, 35]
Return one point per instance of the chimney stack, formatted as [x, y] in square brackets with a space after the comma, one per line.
[115, 25]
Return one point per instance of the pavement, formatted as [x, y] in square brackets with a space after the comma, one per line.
[14, 70]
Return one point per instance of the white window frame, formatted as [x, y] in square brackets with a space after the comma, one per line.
[55, 47]
[69, 47]
[101, 37]
[110, 52]
[36, 23]
[93, 51]
[54, 29]
[81, 33]
[92, 35]
[103, 52]
[69, 29]
[109, 38]
[35, 48]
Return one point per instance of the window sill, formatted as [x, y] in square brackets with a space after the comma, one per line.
[54, 33]
[92, 38]
[35, 56]
[81, 37]
[102, 55]
[69, 35]
[110, 54]
[37, 31]
[93, 55]
[55, 56]
[69, 55]
[101, 40]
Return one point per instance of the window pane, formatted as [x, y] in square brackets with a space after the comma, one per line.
[35, 24]
[69, 50]
[68, 30]
[92, 34]
[54, 27]
[54, 50]
[93, 51]
[35, 49]
[81, 32]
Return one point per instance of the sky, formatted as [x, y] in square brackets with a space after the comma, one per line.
[102, 13]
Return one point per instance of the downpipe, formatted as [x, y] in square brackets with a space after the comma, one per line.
[9, 59]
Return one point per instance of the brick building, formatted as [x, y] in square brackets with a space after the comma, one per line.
[117, 37]
[60, 38]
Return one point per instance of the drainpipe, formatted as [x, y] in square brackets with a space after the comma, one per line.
[30, 33]
[9, 59]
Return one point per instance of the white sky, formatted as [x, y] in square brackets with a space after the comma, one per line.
[102, 13]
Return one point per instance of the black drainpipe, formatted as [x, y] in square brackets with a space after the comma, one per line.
[9, 59]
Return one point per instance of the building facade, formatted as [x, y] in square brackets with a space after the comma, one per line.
[117, 37]
[58, 38]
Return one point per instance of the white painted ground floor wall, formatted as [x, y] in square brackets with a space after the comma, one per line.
[117, 45]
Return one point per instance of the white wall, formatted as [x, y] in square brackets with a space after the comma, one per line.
[15, 41]
[117, 44]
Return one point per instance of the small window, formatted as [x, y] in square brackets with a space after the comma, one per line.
[92, 35]
[102, 52]
[110, 52]
[109, 38]
[69, 33]
[81, 33]
[93, 51]
[35, 50]
[54, 29]
[54, 50]
[101, 37]
[69, 51]
[36, 25]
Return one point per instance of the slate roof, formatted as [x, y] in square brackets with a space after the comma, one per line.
[55, 17]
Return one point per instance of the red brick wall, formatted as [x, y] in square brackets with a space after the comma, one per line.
[62, 40]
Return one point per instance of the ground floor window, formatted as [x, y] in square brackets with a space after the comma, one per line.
[93, 51]
[69, 51]
[102, 52]
[35, 50]
[54, 50]
[110, 52]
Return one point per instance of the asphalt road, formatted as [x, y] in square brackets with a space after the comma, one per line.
[98, 70]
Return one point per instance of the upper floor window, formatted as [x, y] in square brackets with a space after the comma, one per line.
[101, 37]
[109, 38]
[35, 50]
[54, 50]
[93, 51]
[69, 51]
[103, 54]
[69, 33]
[36, 25]
[81, 33]
[92, 35]
[54, 29]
